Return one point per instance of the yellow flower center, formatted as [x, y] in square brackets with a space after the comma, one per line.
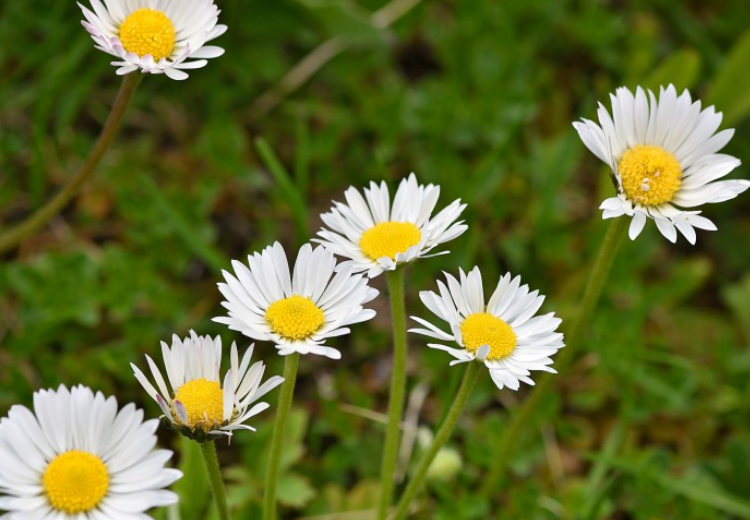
[294, 317]
[204, 402]
[650, 175]
[389, 238]
[148, 31]
[483, 328]
[75, 482]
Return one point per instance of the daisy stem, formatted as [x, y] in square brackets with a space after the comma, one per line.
[594, 285]
[291, 363]
[208, 449]
[395, 281]
[12, 236]
[415, 484]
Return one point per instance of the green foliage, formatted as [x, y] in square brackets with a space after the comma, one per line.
[651, 422]
[731, 89]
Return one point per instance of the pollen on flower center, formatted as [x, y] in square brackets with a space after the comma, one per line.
[204, 403]
[294, 317]
[483, 328]
[75, 482]
[389, 238]
[650, 175]
[148, 31]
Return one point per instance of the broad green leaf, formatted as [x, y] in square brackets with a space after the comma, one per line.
[731, 87]
[681, 69]
[295, 490]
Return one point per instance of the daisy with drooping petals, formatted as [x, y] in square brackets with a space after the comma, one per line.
[198, 405]
[377, 237]
[504, 334]
[76, 456]
[297, 313]
[155, 36]
[664, 158]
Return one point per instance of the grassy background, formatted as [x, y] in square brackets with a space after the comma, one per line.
[475, 96]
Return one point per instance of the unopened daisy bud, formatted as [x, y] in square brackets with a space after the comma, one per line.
[505, 334]
[446, 465]
[447, 462]
[76, 455]
[196, 403]
[377, 236]
[297, 313]
[664, 160]
[157, 37]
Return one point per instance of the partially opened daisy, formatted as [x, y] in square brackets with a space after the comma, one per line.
[505, 334]
[377, 236]
[77, 456]
[196, 403]
[156, 36]
[663, 155]
[297, 313]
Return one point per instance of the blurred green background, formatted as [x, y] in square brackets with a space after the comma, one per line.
[475, 96]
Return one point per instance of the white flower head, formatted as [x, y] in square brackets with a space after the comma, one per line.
[663, 155]
[377, 237]
[297, 313]
[155, 36]
[196, 403]
[505, 334]
[77, 456]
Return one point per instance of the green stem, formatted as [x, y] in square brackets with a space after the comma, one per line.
[398, 389]
[415, 484]
[291, 363]
[594, 285]
[208, 449]
[12, 236]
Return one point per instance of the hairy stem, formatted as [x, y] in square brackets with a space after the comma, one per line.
[291, 363]
[415, 484]
[208, 449]
[398, 388]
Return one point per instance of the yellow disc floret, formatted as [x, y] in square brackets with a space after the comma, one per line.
[148, 31]
[294, 317]
[650, 175]
[75, 482]
[483, 328]
[389, 238]
[204, 403]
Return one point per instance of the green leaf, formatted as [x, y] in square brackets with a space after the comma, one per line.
[294, 490]
[737, 297]
[731, 87]
[289, 189]
[697, 488]
[681, 68]
[345, 20]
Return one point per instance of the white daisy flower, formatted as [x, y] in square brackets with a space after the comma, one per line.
[377, 237]
[300, 312]
[156, 36]
[196, 403]
[505, 334]
[76, 456]
[663, 157]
